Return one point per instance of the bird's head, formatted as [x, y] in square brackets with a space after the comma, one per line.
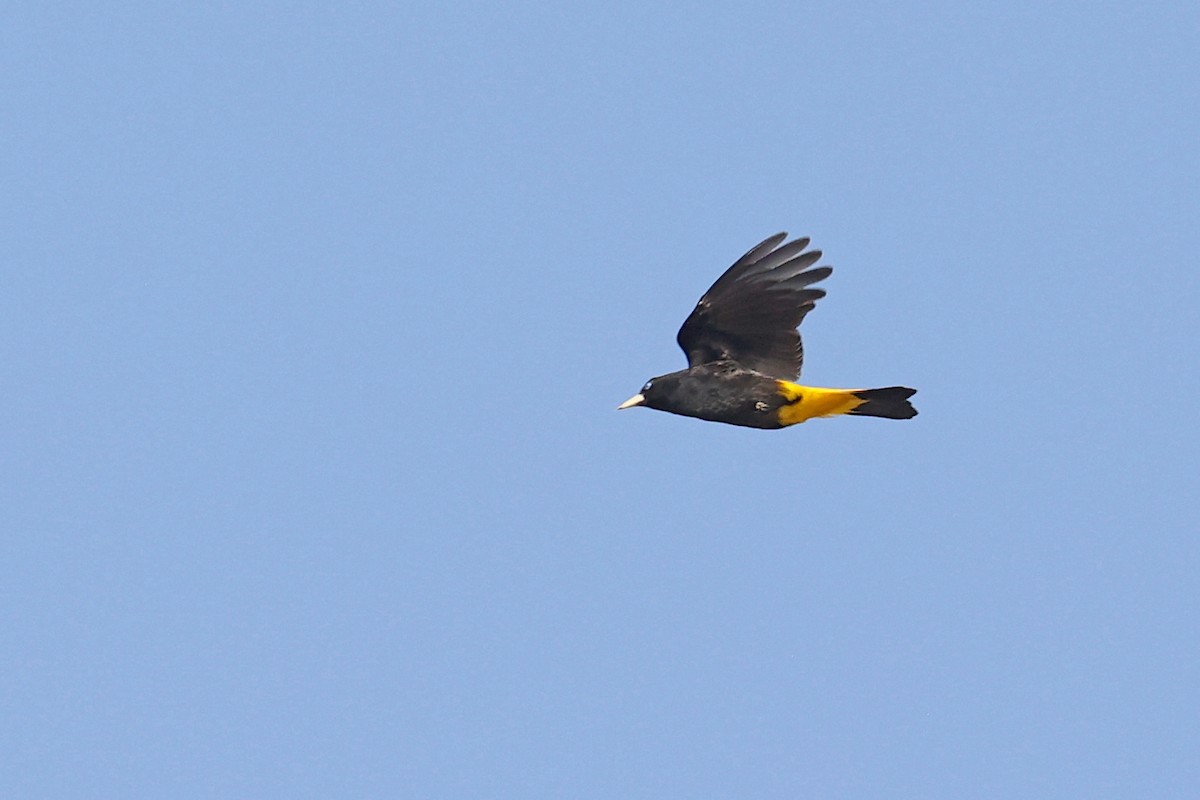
[654, 394]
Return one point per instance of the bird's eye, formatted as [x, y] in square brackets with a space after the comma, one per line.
[646, 388]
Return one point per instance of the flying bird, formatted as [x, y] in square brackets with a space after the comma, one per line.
[744, 352]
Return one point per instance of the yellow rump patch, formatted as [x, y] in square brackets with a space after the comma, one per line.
[805, 402]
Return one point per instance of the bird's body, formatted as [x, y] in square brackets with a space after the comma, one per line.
[744, 351]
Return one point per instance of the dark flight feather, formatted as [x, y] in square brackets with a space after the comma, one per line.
[750, 314]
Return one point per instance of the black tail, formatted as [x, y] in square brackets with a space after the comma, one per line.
[891, 403]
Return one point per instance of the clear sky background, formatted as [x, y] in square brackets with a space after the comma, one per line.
[314, 319]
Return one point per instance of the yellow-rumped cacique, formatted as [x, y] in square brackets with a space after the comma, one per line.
[744, 352]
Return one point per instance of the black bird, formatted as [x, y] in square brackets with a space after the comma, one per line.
[744, 351]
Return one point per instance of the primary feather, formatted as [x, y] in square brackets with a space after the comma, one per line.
[750, 314]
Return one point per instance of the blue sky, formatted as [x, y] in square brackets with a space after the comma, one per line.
[314, 323]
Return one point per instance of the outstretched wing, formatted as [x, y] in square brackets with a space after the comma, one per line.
[751, 313]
